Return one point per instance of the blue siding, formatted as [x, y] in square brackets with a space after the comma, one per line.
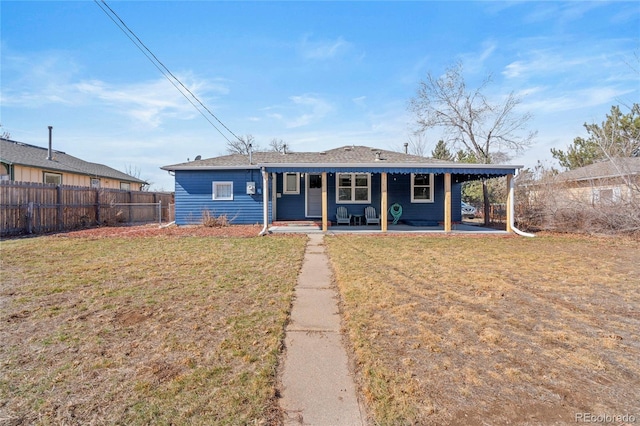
[292, 206]
[194, 195]
[399, 189]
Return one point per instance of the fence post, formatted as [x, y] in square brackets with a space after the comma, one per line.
[159, 212]
[30, 217]
[130, 207]
[97, 206]
[60, 207]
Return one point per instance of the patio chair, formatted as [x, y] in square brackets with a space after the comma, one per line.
[370, 215]
[342, 216]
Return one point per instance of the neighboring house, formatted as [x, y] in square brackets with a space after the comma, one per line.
[269, 186]
[22, 162]
[606, 182]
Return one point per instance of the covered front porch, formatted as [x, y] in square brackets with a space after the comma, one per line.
[309, 227]
[386, 186]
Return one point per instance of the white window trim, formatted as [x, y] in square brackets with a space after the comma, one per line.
[125, 186]
[214, 191]
[57, 175]
[431, 186]
[284, 183]
[94, 182]
[353, 189]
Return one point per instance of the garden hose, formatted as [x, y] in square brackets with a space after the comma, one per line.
[396, 212]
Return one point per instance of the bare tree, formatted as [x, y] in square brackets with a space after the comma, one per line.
[134, 171]
[417, 144]
[278, 145]
[5, 134]
[242, 145]
[469, 120]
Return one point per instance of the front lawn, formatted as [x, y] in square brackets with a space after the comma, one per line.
[144, 330]
[492, 330]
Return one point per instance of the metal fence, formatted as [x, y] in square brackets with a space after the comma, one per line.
[35, 208]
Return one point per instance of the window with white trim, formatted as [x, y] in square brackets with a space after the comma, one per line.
[223, 190]
[353, 188]
[95, 183]
[52, 178]
[605, 195]
[126, 186]
[422, 187]
[291, 183]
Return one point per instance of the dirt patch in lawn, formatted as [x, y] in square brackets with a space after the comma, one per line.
[459, 330]
[238, 231]
[153, 326]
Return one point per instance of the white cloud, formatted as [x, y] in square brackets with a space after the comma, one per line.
[325, 49]
[147, 102]
[475, 62]
[319, 108]
[514, 69]
[575, 99]
[360, 101]
[54, 80]
[560, 13]
[302, 110]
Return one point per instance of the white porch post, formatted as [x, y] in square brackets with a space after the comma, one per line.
[325, 206]
[265, 202]
[383, 202]
[509, 203]
[273, 198]
[447, 202]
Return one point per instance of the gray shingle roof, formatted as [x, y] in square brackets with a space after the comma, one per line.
[603, 170]
[343, 155]
[12, 152]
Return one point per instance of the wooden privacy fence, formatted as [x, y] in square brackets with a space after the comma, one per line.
[27, 208]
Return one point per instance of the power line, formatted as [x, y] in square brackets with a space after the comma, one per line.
[162, 68]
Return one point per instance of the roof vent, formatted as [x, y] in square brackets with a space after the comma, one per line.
[50, 151]
[347, 148]
[198, 157]
[378, 153]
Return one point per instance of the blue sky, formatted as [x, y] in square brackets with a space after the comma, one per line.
[317, 75]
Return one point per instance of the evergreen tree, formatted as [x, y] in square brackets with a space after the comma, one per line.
[441, 151]
[617, 136]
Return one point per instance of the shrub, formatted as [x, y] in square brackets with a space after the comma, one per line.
[210, 220]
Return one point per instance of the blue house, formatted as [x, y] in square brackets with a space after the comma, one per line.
[266, 187]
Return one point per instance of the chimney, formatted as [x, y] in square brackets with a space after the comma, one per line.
[406, 147]
[50, 152]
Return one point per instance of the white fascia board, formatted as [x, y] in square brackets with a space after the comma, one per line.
[193, 168]
[382, 164]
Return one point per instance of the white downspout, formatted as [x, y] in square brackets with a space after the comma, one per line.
[265, 202]
[512, 209]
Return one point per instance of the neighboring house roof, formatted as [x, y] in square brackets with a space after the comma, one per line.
[616, 167]
[344, 157]
[12, 152]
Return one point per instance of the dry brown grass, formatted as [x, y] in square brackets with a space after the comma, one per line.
[464, 330]
[145, 330]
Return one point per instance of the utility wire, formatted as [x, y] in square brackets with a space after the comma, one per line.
[161, 67]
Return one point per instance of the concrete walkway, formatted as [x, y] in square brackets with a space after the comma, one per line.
[318, 388]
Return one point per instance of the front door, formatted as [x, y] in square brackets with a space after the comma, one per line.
[314, 195]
